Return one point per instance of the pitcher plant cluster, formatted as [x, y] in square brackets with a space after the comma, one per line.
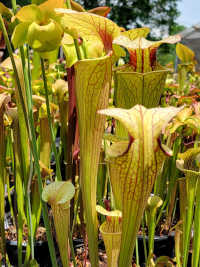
[93, 139]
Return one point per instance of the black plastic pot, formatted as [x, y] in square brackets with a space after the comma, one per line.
[163, 246]
[41, 253]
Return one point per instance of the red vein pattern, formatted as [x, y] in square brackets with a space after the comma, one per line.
[133, 88]
[133, 173]
[92, 82]
[92, 27]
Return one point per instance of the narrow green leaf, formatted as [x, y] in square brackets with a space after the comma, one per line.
[4, 98]
[188, 162]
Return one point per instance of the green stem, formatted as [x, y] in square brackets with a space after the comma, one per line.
[172, 174]
[196, 240]
[152, 226]
[44, 206]
[144, 240]
[137, 252]
[2, 186]
[28, 190]
[78, 51]
[9, 199]
[37, 168]
[177, 247]
[14, 6]
[191, 188]
[72, 248]
[32, 138]
[76, 210]
[68, 4]
[58, 171]
[31, 234]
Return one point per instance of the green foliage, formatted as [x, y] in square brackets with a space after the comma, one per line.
[106, 67]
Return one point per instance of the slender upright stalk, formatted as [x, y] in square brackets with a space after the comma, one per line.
[154, 202]
[177, 247]
[32, 137]
[196, 240]
[137, 252]
[68, 4]
[188, 162]
[14, 6]
[2, 181]
[191, 188]
[58, 171]
[19, 187]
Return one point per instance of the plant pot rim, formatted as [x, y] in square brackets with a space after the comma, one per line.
[156, 237]
[24, 243]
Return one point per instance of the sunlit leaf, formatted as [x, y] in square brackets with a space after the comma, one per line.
[114, 213]
[117, 53]
[184, 53]
[70, 50]
[101, 11]
[142, 51]
[91, 27]
[76, 6]
[30, 13]
[19, 34]
[132, 88]
[58, 192]
[92, 83]
[50, 5]
[137, 41]
[135, 166]
[135, 33]
[48, 9]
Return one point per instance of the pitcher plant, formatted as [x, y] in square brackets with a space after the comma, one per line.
[141, 81]
[111, 231]
[134, 166]
[58, 195]
[92, 84]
